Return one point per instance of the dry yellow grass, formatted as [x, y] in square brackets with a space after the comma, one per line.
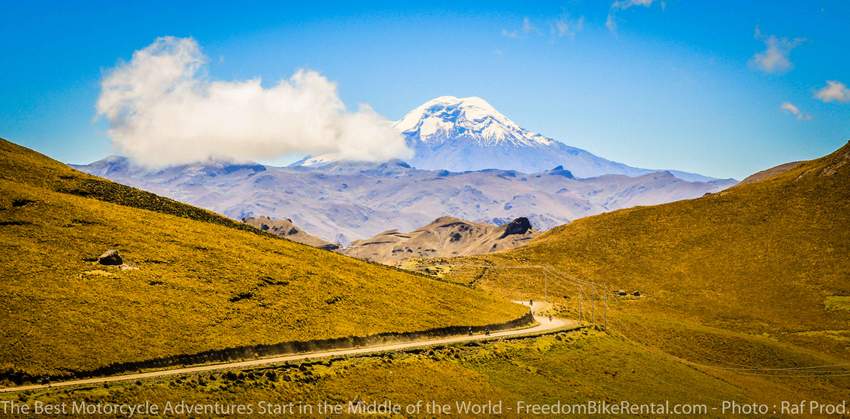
[738, 301]
[746, 281]
[761, 257]
[203, 282]
[568, 368]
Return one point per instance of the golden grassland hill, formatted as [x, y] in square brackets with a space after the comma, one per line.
[567, 369]
[445, 236]
[652, 352]
[764, 256]
[752, 280]
[202, 282]
[287, 229]
[768, 173]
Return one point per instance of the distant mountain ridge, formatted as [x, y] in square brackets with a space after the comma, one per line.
[469, 134]
[470, 162]
[344, 201]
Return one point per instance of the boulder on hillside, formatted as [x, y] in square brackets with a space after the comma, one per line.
[520, 225]
[111, 258]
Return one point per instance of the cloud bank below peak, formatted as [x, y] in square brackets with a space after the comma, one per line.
[162, 110]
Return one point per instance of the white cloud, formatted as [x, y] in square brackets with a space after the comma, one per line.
[163, 110]
[510, 34]
[628, 4]
[619, 5]
[834, 91]
[611, 23]
[794, 110]
[775, 57]
[560, 28]
[527, 26]
[566, 27]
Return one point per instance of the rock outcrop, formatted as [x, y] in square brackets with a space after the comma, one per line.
[286, 228]
[444, 237]
[520, 225]
[110, 258]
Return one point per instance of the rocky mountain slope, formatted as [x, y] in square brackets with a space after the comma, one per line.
[445, 236]
[344, 201]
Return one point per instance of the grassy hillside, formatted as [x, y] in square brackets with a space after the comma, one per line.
[763, 257]
[527, 370]
[569, 368]
[24, 166]
[743, 296]
[197, 281]
[753, 281]
[769, 173]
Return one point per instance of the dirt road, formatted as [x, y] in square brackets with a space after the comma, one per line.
[544, 325]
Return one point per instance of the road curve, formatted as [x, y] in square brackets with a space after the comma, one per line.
[544, 325]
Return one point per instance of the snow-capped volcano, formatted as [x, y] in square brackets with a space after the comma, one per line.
[461, 134]
[447, 117]
[467, 134]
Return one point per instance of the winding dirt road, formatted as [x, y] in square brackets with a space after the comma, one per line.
[544, 326]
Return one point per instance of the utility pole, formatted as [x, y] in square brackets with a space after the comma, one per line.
[606, 312]
[593, 311]
[580, 319]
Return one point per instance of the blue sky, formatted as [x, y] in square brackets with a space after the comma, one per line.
[670, 84]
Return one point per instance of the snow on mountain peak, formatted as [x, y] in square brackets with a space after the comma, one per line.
[448, 117]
